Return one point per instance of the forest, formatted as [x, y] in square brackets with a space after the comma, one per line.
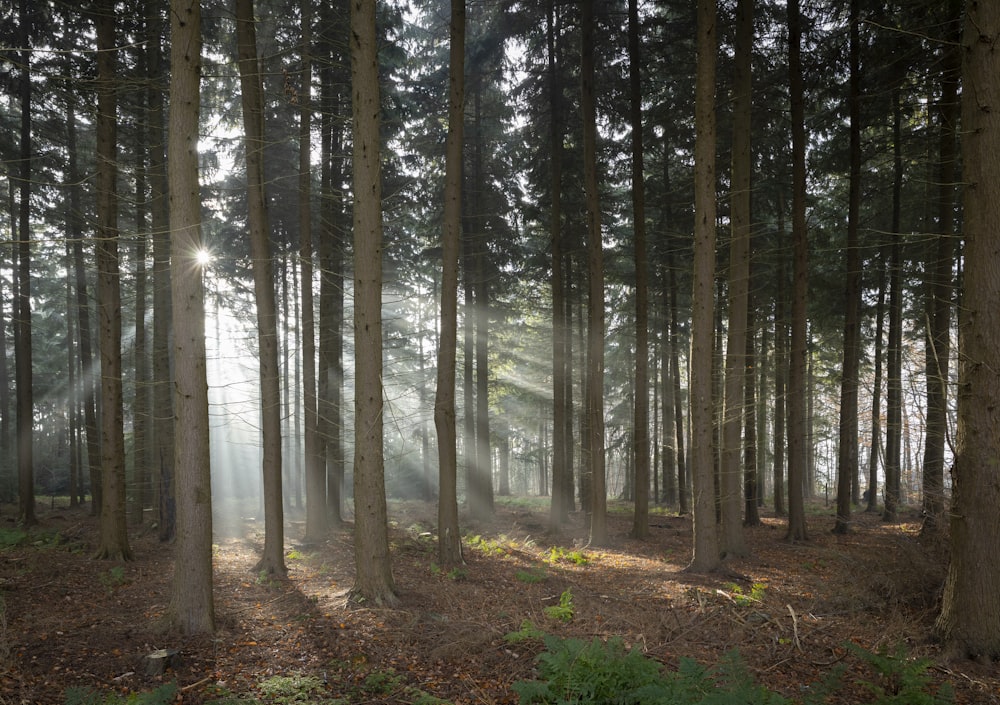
[421, 351]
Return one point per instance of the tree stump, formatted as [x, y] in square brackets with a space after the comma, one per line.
[157, 663]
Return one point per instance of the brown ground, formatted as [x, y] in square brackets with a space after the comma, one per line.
[71, 621]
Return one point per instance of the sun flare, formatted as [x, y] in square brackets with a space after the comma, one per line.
[203, 257]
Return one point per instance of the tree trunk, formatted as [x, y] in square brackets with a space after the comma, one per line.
[449, 539]
[969, 623]
[780, 382]
[142, 410]
[847, 458]
[751, 486]
[940, 274]
[562, 466]
[192, 608]
[706, 554]
[22, 339]
[163, 400]
[894, 386]
[484, 506]
[640, 519]
[317, 501]
[113, 541]
[272, 560]
[373, 581]
[876, 413]
[81, 305]
[733, 542]
[798, 423]
[331, 256]
[594, 394]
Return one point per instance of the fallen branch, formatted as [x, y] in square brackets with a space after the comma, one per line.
[795, 628]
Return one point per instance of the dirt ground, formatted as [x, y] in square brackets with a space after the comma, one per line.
[68, 620]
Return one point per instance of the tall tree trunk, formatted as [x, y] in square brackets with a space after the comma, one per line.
[969, 623]
[22, 339]
[81, 305]
[594, 443]
[449, 540]
[780, 385]
[113, 541]
[561, 436]
[706, 554]
[733, 542]
[876, 412]
[272, 560]
[640, 520]
[751, 486]
[798, 423]
[192, 609]
[847, 458]
[142, 405]
[683, 477]
[73, 396]
[373, 572]
[894, 358]
[331, 256]
[317, 515]
[940, 275]
[163, 400]
[142, 409]
[483, 499]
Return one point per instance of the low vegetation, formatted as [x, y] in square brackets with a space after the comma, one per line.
[530, 618]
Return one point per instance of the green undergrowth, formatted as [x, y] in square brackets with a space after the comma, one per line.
[576, 672]
[164, 695]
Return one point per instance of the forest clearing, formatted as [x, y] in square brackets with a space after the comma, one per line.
[71, 622]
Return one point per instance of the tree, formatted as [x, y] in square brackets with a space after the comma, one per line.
[317, 514]
[847, 459]
[22, 338]
[969, 623]
[594, 395]
[562, 411]
[163, 399]
[730, 475]
[706, 537]
[640, 523]
[449, 539]
[940, 280]
[272, 560]
[373, 581]
[798, 425]
[192, 608]
[113, 541]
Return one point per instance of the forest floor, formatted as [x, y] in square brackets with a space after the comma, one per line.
[68, 621]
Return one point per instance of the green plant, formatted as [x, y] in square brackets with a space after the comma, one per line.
[487, 546]
[558, 553]
[458, 574]
[564, 610]
[12, 537]
[113, 578]
[755, 596]
[576, 672]
[527, 632]
[164, 695]
[531, 575]
[381, 682]
[900, 680]
[295, 688]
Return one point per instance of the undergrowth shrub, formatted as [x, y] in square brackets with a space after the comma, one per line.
[164, 695]
[575, 672]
